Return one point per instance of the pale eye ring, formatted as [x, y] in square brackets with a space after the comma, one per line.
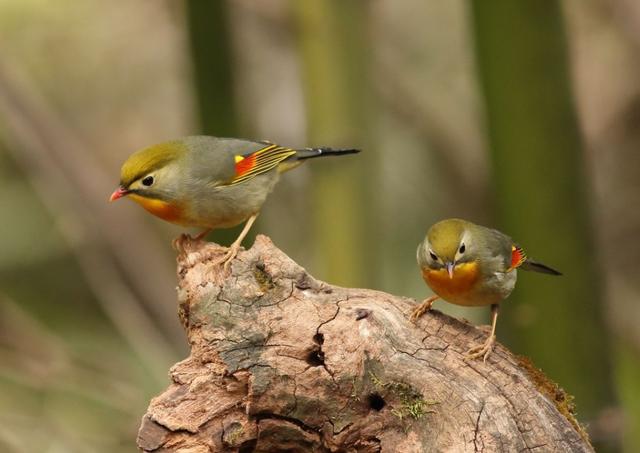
[462, 248]
[148, 181]
[433, 256]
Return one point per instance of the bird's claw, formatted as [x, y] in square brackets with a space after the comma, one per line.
[228, 257]
[421, 309]
[483, 350]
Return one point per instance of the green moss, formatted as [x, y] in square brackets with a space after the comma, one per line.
[415, 409]
[263, 279]
[375, 380]
[410, 402]
[560, 398]
[233, 433]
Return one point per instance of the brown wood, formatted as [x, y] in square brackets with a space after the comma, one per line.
[281, 362]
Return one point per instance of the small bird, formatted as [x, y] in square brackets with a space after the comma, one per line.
[209, 182]
[471, 265]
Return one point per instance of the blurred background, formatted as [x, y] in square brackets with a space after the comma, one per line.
[522, 115]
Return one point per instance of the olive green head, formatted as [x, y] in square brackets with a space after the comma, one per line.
[445, 238]
[446, 245]
[148, 160]
[151, 171]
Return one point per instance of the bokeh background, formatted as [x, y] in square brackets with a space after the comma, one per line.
[519, 115]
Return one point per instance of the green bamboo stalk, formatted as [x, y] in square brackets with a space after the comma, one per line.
[332, 38]
[213, 77]
[628, 376]
[542, 194]
[212, 57]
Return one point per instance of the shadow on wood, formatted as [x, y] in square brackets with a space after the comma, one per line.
[283, 362]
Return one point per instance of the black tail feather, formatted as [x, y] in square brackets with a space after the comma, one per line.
[310, 153]
[529, 265]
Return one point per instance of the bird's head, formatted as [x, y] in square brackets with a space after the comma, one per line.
[154, 178]
[150, 174]
[449, 243]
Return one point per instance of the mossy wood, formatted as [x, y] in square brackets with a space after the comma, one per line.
[283, 362]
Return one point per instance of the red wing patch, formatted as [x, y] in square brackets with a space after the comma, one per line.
[261, 161]
[245, 164]
[517, 257]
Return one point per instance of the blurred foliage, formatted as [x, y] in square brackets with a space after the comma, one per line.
[334, 58]
[542, 193]
[213, 68]
[628, 374]
[87, 310]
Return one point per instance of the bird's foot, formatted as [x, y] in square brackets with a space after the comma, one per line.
[203, 234]
[484, 350]
[421, 309]
[228, 257]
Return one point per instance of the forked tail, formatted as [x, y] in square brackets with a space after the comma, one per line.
[310, 153]
[534, 266]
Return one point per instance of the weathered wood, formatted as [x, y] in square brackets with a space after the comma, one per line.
[283, 362]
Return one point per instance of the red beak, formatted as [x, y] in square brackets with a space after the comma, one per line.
[118, 193]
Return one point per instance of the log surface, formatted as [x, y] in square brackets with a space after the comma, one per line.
[282, 362]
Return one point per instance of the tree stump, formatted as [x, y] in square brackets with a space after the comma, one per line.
[282, 362]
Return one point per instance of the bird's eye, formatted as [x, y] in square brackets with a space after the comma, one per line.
[148, 181]
[434, 257]
[462, 248]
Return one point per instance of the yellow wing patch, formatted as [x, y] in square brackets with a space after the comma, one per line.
[259, 162]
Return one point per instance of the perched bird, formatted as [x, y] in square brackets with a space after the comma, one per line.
[209, 182]
[471, 265]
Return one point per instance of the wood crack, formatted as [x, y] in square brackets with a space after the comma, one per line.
[283, 362]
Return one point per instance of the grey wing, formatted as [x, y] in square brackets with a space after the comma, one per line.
[498, 248]
[213, 158]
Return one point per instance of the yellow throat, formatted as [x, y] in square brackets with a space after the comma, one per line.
[159, 208]
[464, 279]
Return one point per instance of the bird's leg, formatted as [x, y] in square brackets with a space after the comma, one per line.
[424, 307]
[233, 248]
[485, 349]
[200, 236]
[179, 243]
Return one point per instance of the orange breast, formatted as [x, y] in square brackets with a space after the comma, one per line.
[458, 289]
[159, 208]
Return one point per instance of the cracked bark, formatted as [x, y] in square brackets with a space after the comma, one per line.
[283, 362]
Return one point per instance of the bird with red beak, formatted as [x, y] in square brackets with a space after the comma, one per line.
[471, 265]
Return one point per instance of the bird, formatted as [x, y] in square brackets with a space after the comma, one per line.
[209, 182]
[471, 265]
